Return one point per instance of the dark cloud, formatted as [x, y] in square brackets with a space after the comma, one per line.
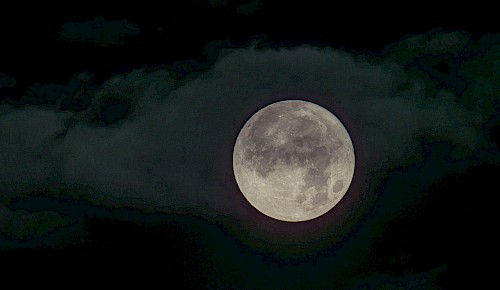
[106, 33]
[244, 7]
[215, 3]
[23, 227]
[249, 7]
[7, 81]
[422, 280]
[154, 141]
[71, 96]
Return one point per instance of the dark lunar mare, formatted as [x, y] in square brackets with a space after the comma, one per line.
[303, 147]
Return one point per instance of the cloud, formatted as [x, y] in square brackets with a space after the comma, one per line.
[99, 31]
[151, 141]
[246, 7]
[421, 280]
[7, 81]
[24, 226]
[438, 42]
[249, 7]
[72, 95]
[216, 3]
[27, 138]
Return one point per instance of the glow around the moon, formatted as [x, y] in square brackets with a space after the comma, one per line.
[293, 160]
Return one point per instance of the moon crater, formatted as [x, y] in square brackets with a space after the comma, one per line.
[293, 160]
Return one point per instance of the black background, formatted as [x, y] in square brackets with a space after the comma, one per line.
[453, 228]
[30, 48]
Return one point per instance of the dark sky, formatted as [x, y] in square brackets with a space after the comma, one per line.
[117, 128]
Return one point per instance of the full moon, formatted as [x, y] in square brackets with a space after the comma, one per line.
[293, 160]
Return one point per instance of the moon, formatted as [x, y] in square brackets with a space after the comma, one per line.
[293, 160]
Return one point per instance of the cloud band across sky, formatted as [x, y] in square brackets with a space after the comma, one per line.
[163, 153]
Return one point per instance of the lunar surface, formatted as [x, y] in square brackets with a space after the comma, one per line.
[293, 160]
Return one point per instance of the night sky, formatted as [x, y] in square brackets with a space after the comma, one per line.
[117, 126]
